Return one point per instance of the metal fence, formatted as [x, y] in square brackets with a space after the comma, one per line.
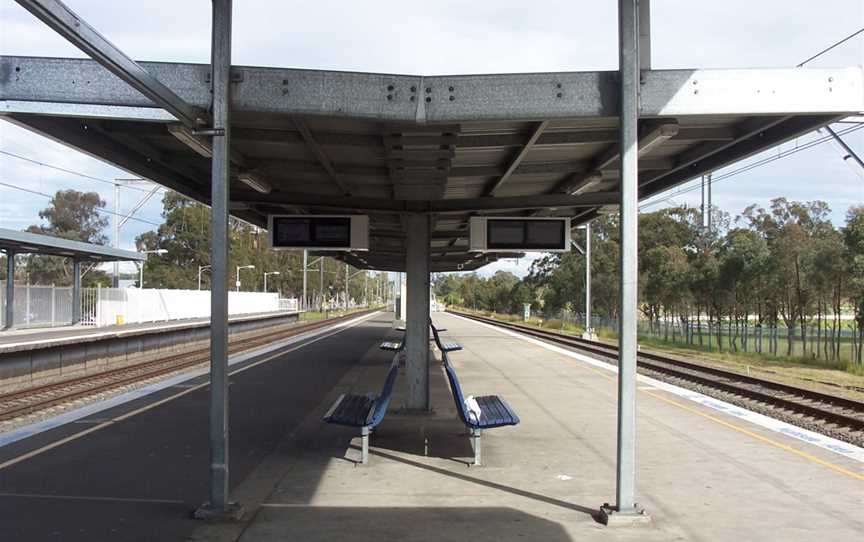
[37, 306]
[825, 342]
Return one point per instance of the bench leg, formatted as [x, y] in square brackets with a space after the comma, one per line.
[475, 443]
[364, 450]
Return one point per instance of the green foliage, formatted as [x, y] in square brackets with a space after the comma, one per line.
[71, 215]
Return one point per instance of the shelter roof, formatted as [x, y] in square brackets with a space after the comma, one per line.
[540, 144]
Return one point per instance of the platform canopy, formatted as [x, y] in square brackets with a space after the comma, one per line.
[307, 141]
[22, 242]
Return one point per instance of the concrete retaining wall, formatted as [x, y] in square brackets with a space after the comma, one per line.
[36, 366]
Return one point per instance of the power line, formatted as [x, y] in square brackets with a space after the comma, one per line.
[64, 170]
[754, 165]
[98, 210]
[823, 51]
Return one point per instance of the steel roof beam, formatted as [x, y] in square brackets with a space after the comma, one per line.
[65, 22]
[517, 159]
[320, 155]
[437, 206]
[664, 93]
[655, 133]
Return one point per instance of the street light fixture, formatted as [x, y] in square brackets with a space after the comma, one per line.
[141, 267]
[201, 269]
[265, 277]
[239, 267]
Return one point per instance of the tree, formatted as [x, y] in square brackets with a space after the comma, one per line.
[853, 239]
[71, 215]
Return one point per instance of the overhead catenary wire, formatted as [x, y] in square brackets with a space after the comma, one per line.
[823, 51]
[72, 172]
[99, 210]
[832, 136]
[748, 167]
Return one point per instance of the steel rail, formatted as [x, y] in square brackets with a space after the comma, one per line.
[749, 387]
[21, 402]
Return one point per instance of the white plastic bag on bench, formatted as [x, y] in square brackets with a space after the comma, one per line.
[473, 409]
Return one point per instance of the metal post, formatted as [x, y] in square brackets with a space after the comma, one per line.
[141, 275]
[76, 292]
[53, 304]
[219, 506]
[346, 286]
[116, 219]
[321, 286]
[417, 317]
[27, 301]
[626, 510]
[305, 265]
[847, 148]
[10, 290]
[589, 331]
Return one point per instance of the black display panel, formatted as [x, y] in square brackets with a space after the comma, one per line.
[310, 232]
[525, 234]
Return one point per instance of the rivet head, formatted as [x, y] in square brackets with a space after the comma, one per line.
[389, 96]
[428, 90]
[558, 85]
[451, 89]
[830, 79]
[413, 88]
[390, 87]
[428, 100]
[560, 94]
[452, 98]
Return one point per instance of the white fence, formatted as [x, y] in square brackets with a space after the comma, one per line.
[47, 305]
[131, 305]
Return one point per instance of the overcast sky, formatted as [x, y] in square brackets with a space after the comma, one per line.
[449, 37]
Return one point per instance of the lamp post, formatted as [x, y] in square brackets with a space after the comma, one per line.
[239, 267]
[265, 278]
[201, 269]
[141, 267]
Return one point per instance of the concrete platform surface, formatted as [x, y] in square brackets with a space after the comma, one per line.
[136, 472]
[702, 475]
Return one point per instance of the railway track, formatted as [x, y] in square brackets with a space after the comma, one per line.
[839, 417]
[23, 402]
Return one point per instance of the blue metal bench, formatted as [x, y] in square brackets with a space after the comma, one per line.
[364, 411]
[391, 346]
[442, 346]
[494, 411]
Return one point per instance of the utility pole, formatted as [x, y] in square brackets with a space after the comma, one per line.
[305, 264]
[321, 287]
[116, 224]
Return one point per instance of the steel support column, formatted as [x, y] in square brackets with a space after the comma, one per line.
[625, 509]
[417, 317]
[10, 290]
[76, 291]
[219, 505]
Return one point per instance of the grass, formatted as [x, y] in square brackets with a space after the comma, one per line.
[312, 316]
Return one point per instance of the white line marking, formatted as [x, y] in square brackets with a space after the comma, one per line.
[94, 408]
[88, 498]
[805, 435]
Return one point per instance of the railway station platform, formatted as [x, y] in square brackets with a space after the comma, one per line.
[137, 472]
[33, 357]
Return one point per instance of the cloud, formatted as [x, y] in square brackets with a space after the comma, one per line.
[446, 37]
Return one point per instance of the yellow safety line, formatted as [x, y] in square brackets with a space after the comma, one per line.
[757, 436]
[76, 436]
[761, 438]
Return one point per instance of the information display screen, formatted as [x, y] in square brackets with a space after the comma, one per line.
[311, 232]
[525, 234]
